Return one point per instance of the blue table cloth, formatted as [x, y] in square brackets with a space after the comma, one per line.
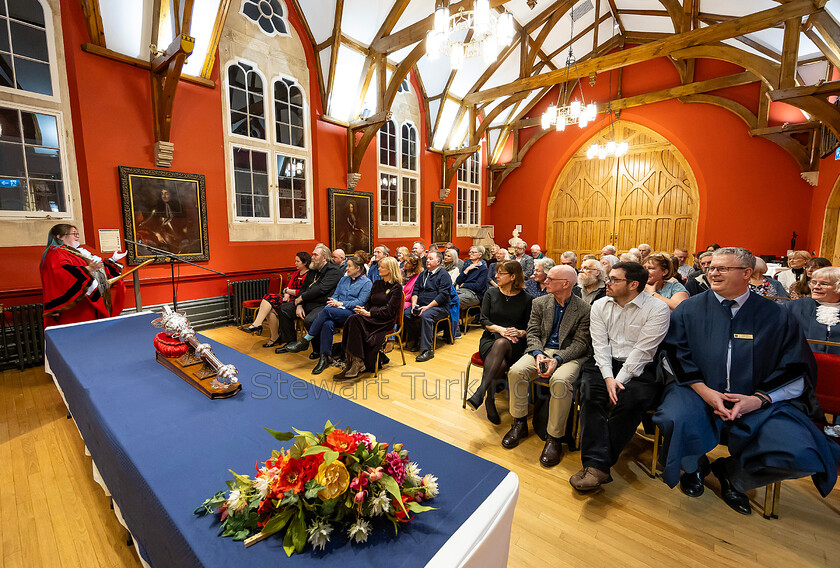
[162, 447]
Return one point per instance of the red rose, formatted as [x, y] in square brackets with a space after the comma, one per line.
[310, 465]
[340, 441]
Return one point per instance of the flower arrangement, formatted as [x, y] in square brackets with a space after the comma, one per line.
[327, 483]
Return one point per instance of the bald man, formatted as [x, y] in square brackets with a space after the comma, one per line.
[558, 344]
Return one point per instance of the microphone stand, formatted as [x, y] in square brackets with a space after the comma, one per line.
[172, 259]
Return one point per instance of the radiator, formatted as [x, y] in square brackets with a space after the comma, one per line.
[23, 335]
[242, 290]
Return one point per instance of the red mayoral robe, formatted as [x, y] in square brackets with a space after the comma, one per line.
[65, 282]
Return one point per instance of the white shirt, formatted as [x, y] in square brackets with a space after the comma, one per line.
[787, 392]
[630, 334]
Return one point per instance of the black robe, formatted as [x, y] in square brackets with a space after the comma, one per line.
[769, 351]
[364, 335]
[805, 310]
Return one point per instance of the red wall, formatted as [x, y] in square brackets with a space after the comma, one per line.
[751, 193]
[112, 126]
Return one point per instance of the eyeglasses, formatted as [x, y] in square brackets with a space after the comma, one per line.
[613, 280]
[502, 273]
[550, 279]
[73, 234]
[820, 284]
[724, 269]
[589, 270]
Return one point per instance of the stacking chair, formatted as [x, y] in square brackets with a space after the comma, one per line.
[396, 334]
[275, 284]
[447, 332]
[468, 315]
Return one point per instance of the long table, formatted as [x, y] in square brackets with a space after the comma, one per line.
[161, 448]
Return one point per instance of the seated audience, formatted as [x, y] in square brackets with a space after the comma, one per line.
[569, 258]
[429, 304]
[352, 290]
[608, 261]
[270, 304]
[364, 257]
[526, 260]
[410, 271]
[313, 299]
[644, 252]
[590, 257]
[712, 247]
[379, 252]
[401, 253]
[450, 264]
[632, 255]
[535, 286]
[660, 271]
[684, 269]
[740, 367]
[471, 283]
[800, 288]
[365, 330]
[591, 282]
[626, 327]
[501, 255]
[795, 270]
[697, 282]
[608, 250]
[764, 286]
[536, 252]
[340, 259]
[458, 260]
[419, 249]
[504, 315]
[557, 346]
[819, 314]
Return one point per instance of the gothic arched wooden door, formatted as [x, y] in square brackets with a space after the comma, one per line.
[648, 195]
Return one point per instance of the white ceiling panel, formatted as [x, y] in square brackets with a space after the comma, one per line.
[344, 100]
[361, 19]
[607, 30]
[325, 65]
[465, 78]
[447, 118]
[507, 71]
[435, 74]
[434, 108]
[647, 23]
[813, 73]
[320, 15]
[524, 14]
[502, 118]
[414, 12]
[398, 56]
[744, 47]
[641, 5]
[735, 8]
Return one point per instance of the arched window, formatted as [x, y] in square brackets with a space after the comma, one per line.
[398, 181]
[24, 50]
[247, 109]
[469, 191]
[408, 143]
[388, 144]
[288, 113]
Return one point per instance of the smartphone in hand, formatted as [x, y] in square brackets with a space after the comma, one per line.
[543, 366]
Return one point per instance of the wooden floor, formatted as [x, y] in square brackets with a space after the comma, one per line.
[52, 513]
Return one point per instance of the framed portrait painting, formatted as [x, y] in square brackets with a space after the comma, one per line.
[441, 223]
[165, 210]
[351, 220]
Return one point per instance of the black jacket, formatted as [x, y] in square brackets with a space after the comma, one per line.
[322, 287]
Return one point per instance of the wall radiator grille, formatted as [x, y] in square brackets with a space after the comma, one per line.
[242, 290]
[23, 336]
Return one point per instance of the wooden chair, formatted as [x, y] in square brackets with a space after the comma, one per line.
[275, 284]
[447, 332]
[396, 334]
[466, 319]
[477, 361]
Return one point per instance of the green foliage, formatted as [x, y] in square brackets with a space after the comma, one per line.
[281, 436]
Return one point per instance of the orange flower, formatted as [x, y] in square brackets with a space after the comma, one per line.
[340, 441]
[292, 476]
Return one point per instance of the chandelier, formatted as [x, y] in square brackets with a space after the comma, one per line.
[564, 113]
[611, 148]
[483, 30]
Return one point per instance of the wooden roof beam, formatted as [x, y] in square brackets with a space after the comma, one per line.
[660, 48]
[93, 22]
[823, 89]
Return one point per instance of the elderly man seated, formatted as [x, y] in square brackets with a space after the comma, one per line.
[697, 282]
[526, 260]
[608, 250]
[339, 258]
[536, 252]
[569, 258]
[429, 303]
[536, 285]
[619, 385]
[743, 374]
[558, 344]
[591, 282]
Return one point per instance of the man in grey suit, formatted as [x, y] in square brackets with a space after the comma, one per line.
[558, 344]
[526, 260]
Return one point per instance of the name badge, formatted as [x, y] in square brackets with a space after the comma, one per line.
[743, 336]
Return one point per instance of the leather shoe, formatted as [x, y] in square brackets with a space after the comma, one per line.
[692, 483]
[314, 355]
[297, 346]
[281, 349]
[412, 346]
[355, 366]
[425, 356]
[589, 478]
[552, 451]
[735, 499]
[323, 363]
[518, 432]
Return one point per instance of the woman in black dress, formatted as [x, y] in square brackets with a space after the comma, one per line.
[365, 331]
[504, 314]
